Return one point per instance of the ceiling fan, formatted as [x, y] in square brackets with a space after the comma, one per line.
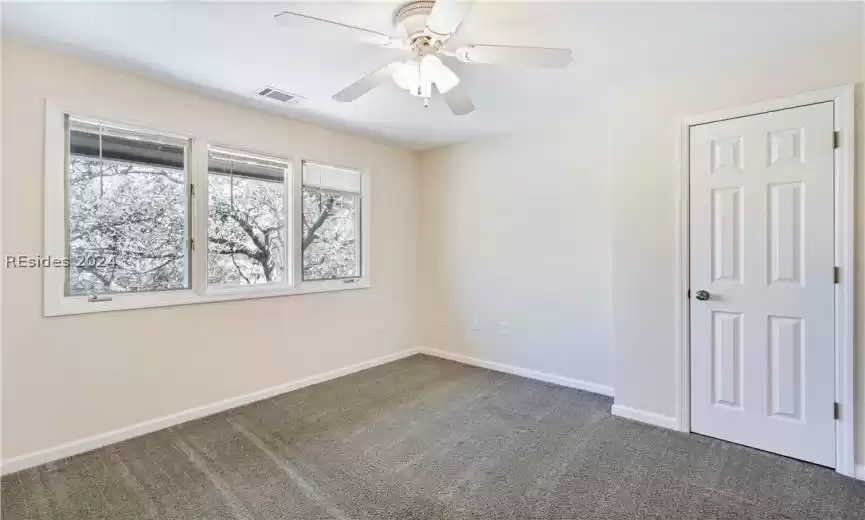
[427, 28]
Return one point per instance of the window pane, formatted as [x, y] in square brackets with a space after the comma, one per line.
[246, 220]
[127, 218]
[331, 234]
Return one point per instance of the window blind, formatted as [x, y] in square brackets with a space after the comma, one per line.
[225, 162]
[331, 177]
[113, 143]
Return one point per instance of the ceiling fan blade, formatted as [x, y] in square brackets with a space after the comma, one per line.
[458, 101]
[446, 16]
[520, 56]
[331, 29]
[366, 83]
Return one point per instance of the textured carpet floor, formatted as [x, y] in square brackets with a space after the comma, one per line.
[424, 438]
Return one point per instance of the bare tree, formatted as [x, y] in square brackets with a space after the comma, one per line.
[245, 231]
[119, 240]
[329, 235]
[135, 216]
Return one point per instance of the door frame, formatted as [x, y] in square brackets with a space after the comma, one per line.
[844, 259]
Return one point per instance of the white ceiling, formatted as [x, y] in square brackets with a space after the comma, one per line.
[232, 49]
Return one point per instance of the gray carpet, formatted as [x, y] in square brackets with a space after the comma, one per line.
[424, 438]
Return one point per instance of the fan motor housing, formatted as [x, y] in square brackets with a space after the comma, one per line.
[411, 18]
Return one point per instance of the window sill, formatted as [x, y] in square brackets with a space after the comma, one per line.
[120, 302]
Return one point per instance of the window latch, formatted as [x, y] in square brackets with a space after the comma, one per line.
[95, 298]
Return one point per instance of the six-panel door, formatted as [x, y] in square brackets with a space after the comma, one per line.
[762, 245]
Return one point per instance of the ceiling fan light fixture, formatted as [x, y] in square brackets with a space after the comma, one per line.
[407, 75]
[443, 77]
[417, 77]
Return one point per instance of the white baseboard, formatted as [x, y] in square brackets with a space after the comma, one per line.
[655, 419]
[519, 371]
[104, 439]
[86, 444]
[121, 434]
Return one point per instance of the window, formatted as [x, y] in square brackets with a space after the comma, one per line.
[127, 214]
[141, 218]
[246, 219]
[331, 222]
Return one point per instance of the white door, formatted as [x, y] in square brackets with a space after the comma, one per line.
[762, 247]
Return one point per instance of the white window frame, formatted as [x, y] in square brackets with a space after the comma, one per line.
[57, 303]
[202, 199]
[360, 227]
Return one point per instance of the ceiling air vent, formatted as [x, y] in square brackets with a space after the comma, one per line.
[278, 95]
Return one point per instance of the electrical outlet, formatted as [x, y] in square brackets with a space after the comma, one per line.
[476, 324]
[503, 328]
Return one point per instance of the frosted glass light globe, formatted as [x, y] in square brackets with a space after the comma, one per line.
[407, 75]
[417, 77]
[444, 78]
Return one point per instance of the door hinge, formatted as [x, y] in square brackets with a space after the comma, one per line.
[836, 139]
[837, 411]
[688, 294]
[837, 274]
[192, 190]
[192, 244]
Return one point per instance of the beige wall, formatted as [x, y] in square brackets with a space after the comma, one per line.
[609, 183]
[644, 202]
[66, 378]
[516, 230]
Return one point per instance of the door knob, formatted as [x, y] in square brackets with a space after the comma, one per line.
[702, 295]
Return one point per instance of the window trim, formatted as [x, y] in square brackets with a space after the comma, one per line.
[57, 303]
[188, 216]
[360, 229]
[365, 279]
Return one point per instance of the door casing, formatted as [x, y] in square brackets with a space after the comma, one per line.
[844, 232]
